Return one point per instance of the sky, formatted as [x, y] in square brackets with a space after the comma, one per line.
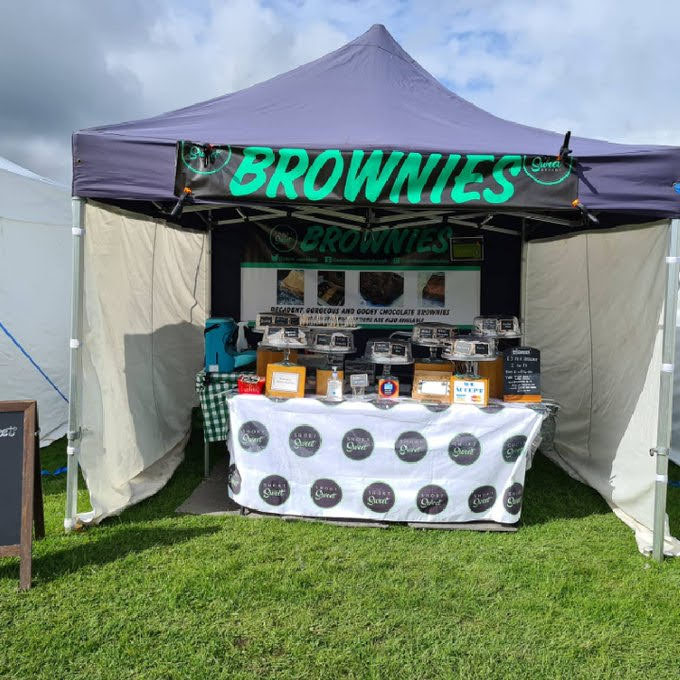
[601, 68]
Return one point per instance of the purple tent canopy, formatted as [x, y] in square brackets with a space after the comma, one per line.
[369, 94]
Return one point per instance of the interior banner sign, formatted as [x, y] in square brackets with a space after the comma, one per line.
[383, 277]
[375, 177]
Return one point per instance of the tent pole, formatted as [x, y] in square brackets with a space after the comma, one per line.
[208, 314]
[522, 280]
[663, 433]
[74, 429]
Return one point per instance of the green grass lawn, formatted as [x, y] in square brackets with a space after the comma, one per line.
[154, 595]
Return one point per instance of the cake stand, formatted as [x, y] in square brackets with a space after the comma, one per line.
[286, 347]
[335, 353]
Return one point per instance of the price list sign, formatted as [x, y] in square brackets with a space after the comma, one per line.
[522, 374]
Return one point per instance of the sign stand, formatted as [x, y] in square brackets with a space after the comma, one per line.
[21, 502]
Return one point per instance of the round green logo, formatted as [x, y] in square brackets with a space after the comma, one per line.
[546, 170]
[194, 158]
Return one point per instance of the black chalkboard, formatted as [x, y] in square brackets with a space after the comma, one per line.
[20, 485]
[11, 473]
[521, 372]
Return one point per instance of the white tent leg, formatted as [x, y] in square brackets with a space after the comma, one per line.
[663, 435]
[74, 430]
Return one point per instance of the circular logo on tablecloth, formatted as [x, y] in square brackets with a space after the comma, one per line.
[274, 490]
[326, 493]
[432, 499]
[437, 408]
[379, 497]
[357, 444]
[234, 478]
[512, 498]
[464, 448]
[491, 408]
[384, 404]
[410, 447]
[253, 436]
[482, 499]
[304, 441]
[513, 447]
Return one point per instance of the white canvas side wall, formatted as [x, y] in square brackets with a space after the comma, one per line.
[594, 305]
[35, 268]
[675, 436]
[143, 319]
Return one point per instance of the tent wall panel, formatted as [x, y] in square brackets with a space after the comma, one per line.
[675, 441]
[600, 334]
[144, 292]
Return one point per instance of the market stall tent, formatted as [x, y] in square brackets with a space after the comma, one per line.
[35, 274]
[369, 102]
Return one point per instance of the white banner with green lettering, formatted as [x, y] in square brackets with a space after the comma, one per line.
[398, 461]
[383, 277]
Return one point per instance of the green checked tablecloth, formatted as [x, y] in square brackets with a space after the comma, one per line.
[212, 394]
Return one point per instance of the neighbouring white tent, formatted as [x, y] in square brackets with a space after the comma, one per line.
[35, 290]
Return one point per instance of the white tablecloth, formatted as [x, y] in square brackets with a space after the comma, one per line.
[363, 460]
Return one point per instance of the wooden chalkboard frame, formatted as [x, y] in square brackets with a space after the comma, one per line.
[31, 491]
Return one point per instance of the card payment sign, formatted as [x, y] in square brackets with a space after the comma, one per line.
[475, 392]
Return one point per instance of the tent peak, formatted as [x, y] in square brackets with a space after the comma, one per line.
[378, 36]
[380, 30]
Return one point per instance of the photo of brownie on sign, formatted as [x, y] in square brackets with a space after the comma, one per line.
[290, 285]
[381, 289]
[330, 289]
[431, 287]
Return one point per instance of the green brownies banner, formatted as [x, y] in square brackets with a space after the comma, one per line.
[382, 277]
[376, 177]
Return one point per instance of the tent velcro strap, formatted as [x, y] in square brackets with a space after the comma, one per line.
[662, 478]
[672, 259]
[73, 343]
[667, 368]
[70, 450]
[659, 451]
[73, 435]
[77, 231]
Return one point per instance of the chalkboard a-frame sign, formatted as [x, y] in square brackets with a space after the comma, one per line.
[21, 504]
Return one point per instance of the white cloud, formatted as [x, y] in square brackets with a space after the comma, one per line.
[602, 68]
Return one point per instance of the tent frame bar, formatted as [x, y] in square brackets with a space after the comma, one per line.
[208, 314]
[75, 364]
[665, 421]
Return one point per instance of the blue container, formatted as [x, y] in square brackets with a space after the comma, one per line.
[220, 354]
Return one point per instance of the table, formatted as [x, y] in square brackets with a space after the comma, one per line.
[212, 394]
[398, 461]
